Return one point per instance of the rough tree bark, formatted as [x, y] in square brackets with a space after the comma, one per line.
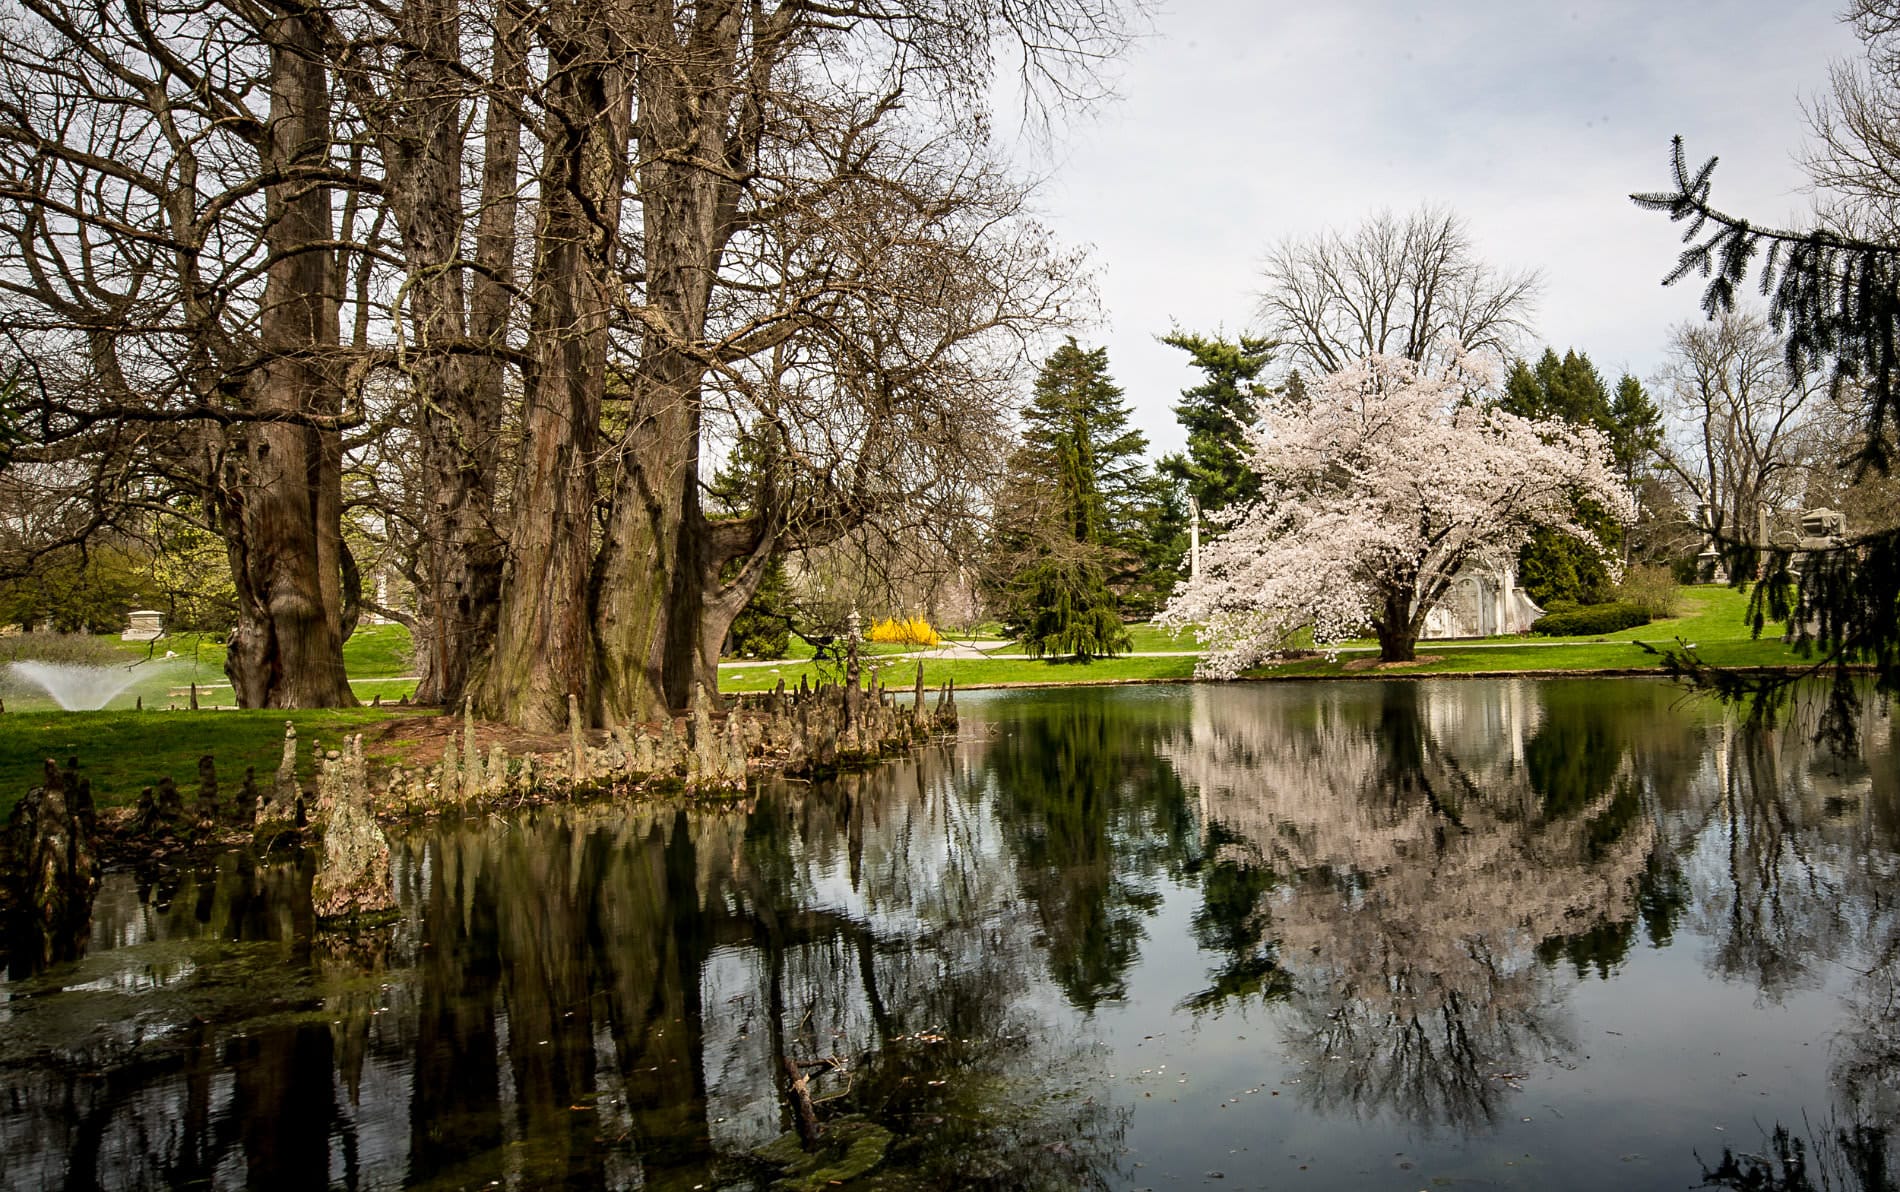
[657, 575]
[281, 495]
[646, 593]
[467, 573]
[751, 543]
[656, 564]
[416, 115]
[1396, 626]
[543, 650]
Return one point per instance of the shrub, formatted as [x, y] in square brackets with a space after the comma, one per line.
[763, 628]
[905, 631]
[758, 636]
[1558, 566]
[1651, 588]
[82, 648]
[1590, 620]
[1561, 605]
[73, 591]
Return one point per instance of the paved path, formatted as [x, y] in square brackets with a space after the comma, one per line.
[975, 648]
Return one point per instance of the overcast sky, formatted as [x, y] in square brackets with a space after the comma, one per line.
[1238, 124]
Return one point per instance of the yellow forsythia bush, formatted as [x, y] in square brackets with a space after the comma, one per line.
[906, 631]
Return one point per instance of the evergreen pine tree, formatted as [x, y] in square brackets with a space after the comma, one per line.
[1293, 389]
[1215, 414]
[1556, 566]
[1569, 388]
[1072, 514]
[763, 628]
[1635, 428]
[1158, 526]
[1838, 297]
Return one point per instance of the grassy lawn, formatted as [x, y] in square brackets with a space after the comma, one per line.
[1706, 613]
[1144, 637]
[377, 658]
[123, 752]
[1711, 617]
[972, 672]
[379, 651]
[1588, 655]
[798, 648]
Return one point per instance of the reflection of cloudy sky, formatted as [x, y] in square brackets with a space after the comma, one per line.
[1242, 123]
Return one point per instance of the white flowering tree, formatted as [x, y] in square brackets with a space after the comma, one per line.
[1376, 489]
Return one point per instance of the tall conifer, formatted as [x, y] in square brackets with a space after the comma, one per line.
[1555, 565]
[1071, 514]
[1216, 414]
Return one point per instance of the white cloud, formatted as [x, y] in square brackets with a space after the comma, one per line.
[1239, 124]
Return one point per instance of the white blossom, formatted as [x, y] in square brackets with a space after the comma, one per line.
[1376, 489]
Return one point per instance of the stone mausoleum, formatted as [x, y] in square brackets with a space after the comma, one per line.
[1483, 602]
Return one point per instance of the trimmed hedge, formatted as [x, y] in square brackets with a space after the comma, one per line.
[1590, 619]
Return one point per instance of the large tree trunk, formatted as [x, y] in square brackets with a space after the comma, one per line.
[420, 134]
[726, 600]
[656, 565]
[281, 502]
[543, 650]
[1397, 630]
[648, 589]
[473, 561]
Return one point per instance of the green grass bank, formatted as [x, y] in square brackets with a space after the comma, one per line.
[1711, 617]
[123, 751]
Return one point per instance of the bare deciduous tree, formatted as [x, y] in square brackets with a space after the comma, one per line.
[169, 275]
[811, 215]
[1738, 444]
[1411, 287]
[540, 260]
[1854, 160]
[417, 76]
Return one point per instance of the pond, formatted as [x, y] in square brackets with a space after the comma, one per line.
[1409, 935]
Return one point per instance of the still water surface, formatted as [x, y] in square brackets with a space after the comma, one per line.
[1567, 934]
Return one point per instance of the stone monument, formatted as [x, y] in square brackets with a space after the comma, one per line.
[143, 625]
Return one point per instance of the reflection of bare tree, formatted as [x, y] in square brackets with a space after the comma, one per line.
[608, 995]
[923, 985]
[1786, 846]
[1867, 1050]
[1793, 851]
[1860, 806]
[1831, 1158]
[599, 996]
[1419, 867]
[172, 953]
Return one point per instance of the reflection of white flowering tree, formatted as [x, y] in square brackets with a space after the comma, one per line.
[1418, 872]
[1377, 487]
